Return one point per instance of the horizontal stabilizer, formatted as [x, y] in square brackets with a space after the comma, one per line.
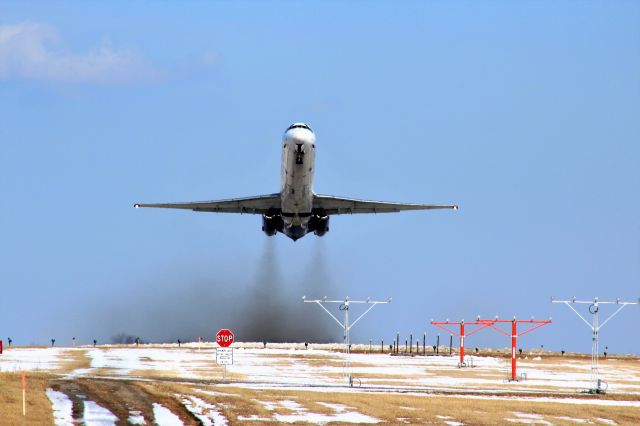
[260, 204]
[339, 205]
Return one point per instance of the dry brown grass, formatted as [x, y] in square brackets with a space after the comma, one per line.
[421, 409]
[75, 360]
[38, 405]
[121, 396]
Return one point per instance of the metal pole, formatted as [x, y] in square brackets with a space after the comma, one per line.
[514, 336]
[424, 344]
[410, 342]
[594, 348]
[347, 344]
[438, 344]
[461, 342]
[451, 344]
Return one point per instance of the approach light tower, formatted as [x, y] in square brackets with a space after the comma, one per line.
[595, 326]
[344, 306]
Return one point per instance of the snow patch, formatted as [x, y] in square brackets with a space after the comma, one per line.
[336, 407]
[302, 414]
[447, 420]
[62, 407]
[254, 418]
[528, 415]
[207, 413]
[212, 393]
[347, 417]
[124, 361]
[268, 405]
[292, 405]
[529, 421]
[95, 415]
[28, 359]
[574, 420]
[164, 417]
[136, 418]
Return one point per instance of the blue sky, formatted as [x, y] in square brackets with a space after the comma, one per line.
[526, 114]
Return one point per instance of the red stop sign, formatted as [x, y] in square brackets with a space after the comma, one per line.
[224, 337]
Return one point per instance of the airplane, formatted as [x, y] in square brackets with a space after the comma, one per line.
[296, 210]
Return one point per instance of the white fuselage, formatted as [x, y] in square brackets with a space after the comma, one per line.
[296, 176]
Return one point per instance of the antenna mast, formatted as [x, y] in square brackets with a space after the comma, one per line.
[595, 326]
[345, 325]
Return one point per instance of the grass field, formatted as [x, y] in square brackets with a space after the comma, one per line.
[288, 384]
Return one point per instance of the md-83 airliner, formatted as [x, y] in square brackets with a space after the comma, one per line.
[296, 210]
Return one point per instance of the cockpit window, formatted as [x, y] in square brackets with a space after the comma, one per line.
[298, 126]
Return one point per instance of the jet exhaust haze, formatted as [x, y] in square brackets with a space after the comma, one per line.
[197, 302]
[272, 315]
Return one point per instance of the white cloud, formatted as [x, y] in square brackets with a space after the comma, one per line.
[36, 52]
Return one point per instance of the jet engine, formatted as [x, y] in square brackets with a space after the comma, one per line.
[272, 223]
[319, 224]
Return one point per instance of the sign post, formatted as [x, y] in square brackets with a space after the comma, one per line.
[224, 354]
[24, 393]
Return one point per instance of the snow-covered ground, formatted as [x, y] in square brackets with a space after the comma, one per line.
[319, 369]
[96, 415]
[208, 414]
[188, 364]
[293, 365]
[164, 417]
[62, 408]
[34, 359]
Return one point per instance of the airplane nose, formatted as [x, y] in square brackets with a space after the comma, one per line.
[299, 135]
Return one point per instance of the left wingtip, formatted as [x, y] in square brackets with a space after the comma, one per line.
[136, 206]
[455, 207]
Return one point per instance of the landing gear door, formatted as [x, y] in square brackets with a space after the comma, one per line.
[299, 154]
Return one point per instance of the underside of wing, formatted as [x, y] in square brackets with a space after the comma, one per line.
[260, 204]
[339, 205]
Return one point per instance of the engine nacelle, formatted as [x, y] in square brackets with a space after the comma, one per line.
[319, 224]
[272, 223]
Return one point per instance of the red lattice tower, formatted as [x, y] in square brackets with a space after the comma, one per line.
[533, 325]
[462, 334]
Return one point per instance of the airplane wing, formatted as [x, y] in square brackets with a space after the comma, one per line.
[339, 205]
[260, 204]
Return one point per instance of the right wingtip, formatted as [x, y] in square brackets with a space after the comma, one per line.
[455, 207]
[136, 206]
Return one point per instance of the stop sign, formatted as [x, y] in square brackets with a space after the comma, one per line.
[224, 337]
